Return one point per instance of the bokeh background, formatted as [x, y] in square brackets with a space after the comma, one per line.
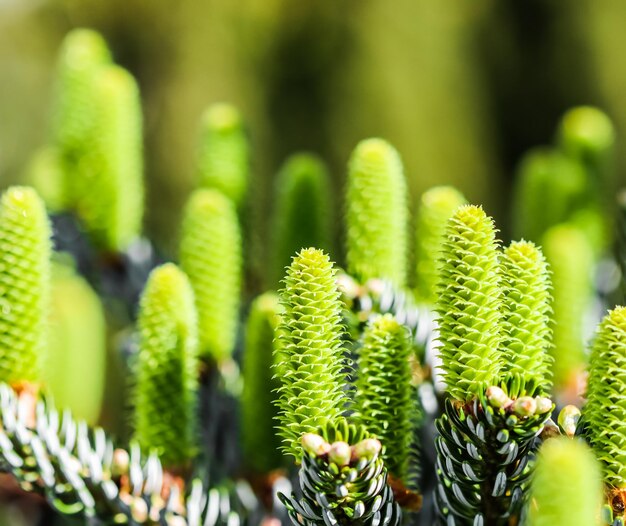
[461, 88]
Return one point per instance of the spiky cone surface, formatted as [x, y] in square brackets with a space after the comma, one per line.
[223, 161]
[343, 480]
[166, 370]
[571, 263]
[566, 486]
[484, 459]
[527, 318]
[550, 187]
[435, 207]
[83, 53]
[108, 187]
[309, 354]
[302, 211]
[605, 410]
[376, 213]
[25, 251]
[210, 254]
[259, 440]
[470, 304]
[383, 401]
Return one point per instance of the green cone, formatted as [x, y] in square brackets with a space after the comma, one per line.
[309, 352]
[435, 208]
[223, 155]
[377, 214]
[25, 251]
[210, 254]
[258, 412]
[166, 368]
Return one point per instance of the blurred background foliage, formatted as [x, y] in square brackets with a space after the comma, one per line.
[461, 88]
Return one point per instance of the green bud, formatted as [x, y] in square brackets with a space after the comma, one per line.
[497, 397]
[568, 419]
[525, 406]
[315, 444]
[369, 448]
[340, 453]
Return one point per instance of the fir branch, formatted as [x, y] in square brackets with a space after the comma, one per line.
[258, 412]
[223, 153]
[25, 250]
[80, 473]
[470, 304]
[343, 480]
[166, 369]
[377, 214]
[436, 206]
[485, 451]
[302, 211]
[571, 262]
[526, 323]
[383, 400]
[309, 349]
[210, 254]
[566, 486]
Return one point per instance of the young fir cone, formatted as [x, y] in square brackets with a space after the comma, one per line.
[571, 263]
[376, 214]
[383, 401]
[309, 352]
[258, 412]
[486, 440]
[549, 189]
[25, 250]
[566, 486]
[223, 155]
[604, 413]
[210, 254]
[470, 304]
[435, 208]
[302, 213]
[526, 323]
[108, 187]
[343, 480]
[83, 53]
[166, 372]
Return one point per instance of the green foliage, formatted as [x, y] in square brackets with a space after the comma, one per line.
[343, 480]
[76, 357]
[25, 251]
[223, 155]
[571, 261]
[435, 208]
[210, 254]
[108, 187]
[376, 214]
[309, 351]
[83, 53]
[526, 323]
[566, 486]
[550, 187]
[166, 369]
[470, 304]
[383, 401]
[302, 210]
[258, 412]
[605, 410]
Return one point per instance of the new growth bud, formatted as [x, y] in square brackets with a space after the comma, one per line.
[315, 444]
[340, 453]
[568, 419]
